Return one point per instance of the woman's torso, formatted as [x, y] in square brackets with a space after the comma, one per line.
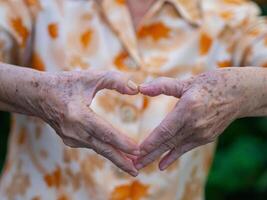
[80, 35]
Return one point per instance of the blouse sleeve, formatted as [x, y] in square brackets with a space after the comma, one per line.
[15, 32]
[252, 47]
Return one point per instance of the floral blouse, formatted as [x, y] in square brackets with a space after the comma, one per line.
[176, 38]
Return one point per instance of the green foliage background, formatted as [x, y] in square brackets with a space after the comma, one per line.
[240, 167]
[239, 170]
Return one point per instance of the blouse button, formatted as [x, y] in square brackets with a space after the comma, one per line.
[128, 113]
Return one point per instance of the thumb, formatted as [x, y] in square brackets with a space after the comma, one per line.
[163, 85]
[119, 82]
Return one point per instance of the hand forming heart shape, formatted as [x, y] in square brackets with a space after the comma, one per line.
[208, 104]
[206, 107]
[65, 106]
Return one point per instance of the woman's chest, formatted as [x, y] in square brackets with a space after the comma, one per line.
[79, 35]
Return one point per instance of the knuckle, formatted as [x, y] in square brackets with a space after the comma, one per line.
[173, 142]
[97, 149]
[168, 145]
[67, 135]
[72, 134]
[89, 139]
[166, 131]
[69, 142]
[107, 152]
[95, 146]
[107, 135]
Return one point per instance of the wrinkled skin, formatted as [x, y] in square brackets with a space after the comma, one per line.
[208, 104]
[66, 107]
[63, 101]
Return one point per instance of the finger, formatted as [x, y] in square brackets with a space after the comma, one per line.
[118, 81]
[113, 155]
[131, 157]
[168, 129]
[174, 154]
[108, 134]
[163, 85]
[153, 156]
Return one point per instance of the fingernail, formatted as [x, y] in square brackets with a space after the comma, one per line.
[134, 173]
[132, 85]
[162, 167]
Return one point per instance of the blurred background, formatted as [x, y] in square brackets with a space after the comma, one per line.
[240, 167]
[239, 170]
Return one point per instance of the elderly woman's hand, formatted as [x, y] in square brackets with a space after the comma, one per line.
[63, 101]
[208, 104]
[65, 105]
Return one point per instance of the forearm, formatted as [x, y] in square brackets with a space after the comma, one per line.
[19, 88]
[260, 98]
[254, 82]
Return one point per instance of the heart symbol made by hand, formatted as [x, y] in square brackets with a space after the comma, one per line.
[198, 118]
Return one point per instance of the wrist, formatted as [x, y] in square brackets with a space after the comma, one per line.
[254, 95]
[20, 89]
[29, 94]
[44, 88]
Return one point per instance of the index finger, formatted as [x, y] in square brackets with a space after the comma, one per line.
[108, 134]
[115, 156]
[167, 129]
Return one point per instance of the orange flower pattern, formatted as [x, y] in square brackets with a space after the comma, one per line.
[177, 38]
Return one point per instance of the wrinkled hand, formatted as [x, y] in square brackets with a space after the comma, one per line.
[208, 104]
[65, 106]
